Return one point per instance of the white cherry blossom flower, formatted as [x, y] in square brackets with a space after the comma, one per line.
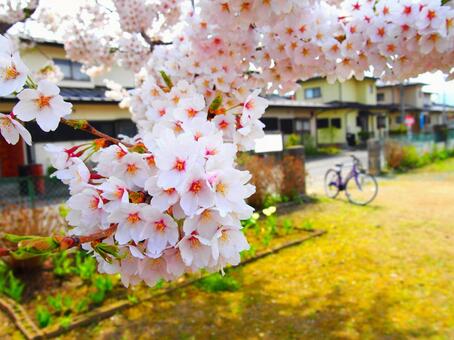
[43, 104]
[195, 192]
[161, 232]
[132, 222]
[13, 73]
[11, 129]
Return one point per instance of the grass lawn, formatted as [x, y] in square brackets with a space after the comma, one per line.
[381, 272]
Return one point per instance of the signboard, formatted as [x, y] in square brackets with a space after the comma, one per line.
[269, 143]
[409, 120]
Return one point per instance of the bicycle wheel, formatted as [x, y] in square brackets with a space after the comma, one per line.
[362, 189]
[331, 183]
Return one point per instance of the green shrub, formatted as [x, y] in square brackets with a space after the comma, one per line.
[85, 266]
[60, 304]
[103, 285]
[43, 316]
[310, 149]
[218, 283]
[9, 284]
[65, 321]
[402, 158]
[287, 225]
[14, 288]
[63, 264]
[293, 140]
[411, 158]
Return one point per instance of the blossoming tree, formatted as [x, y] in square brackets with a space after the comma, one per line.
[170, 200]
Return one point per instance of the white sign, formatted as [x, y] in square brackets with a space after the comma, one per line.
[269, 143]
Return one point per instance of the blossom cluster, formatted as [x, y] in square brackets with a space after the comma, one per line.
[39, 102]
[274, 44]
[14, 11]
[172, 194]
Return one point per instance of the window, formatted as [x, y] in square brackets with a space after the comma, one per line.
[381, 122]
[287, 126]
[271, 124]
[371, 89]
[302, 125]
[322, 123]
[71, 70]
[336, 123]
[380, 97]
[398, 119]
[313, 92]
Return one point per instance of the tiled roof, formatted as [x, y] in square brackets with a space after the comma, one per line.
[96, 94]
[79, 95]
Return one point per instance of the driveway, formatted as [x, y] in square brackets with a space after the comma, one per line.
[316, 168]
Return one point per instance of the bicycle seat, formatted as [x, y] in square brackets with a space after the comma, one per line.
[340, 165]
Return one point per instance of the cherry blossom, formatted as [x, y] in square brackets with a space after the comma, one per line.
[43, 104]
[13, 73]
[11, 129]
[172, 194]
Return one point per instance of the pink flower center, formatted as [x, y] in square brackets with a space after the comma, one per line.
[249, 105]
[160, 225]
[194, 242]
[43, 101]
[131, 168]
[180, 165]
[169, 191]
[94, 203]
[133, 218]
[11, 73]
[119, 193]
[431, 15]
[195, 187]
[191, 112]
[220, 187]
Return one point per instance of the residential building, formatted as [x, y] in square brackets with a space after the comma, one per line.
[350, 113]
[416, 103]
[89, 100]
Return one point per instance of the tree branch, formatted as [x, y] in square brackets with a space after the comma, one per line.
[84, 125]
[153, 43]
[32, 246]
[28, 12]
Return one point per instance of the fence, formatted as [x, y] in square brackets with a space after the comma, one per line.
[31, 192]
[425, 142]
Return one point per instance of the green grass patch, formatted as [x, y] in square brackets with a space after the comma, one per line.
[218, 283]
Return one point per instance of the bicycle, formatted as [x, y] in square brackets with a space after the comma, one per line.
[360, 187]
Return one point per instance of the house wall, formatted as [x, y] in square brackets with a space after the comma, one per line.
[413, 95]
[37, 56]
[352, 90]
[334, 135]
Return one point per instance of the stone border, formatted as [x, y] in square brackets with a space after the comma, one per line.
[28, 328]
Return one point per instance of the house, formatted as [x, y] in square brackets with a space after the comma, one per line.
[416, 103]
[89, 100]
[350, 112]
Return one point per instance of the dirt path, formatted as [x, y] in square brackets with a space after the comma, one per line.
[382, 272]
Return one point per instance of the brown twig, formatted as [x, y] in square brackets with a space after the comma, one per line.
[151, 42]
[63, 242]
[85, 126]
[28, 12]
[67, 242]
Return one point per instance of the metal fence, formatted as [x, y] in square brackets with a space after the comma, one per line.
[425, 142]
[31, 191]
